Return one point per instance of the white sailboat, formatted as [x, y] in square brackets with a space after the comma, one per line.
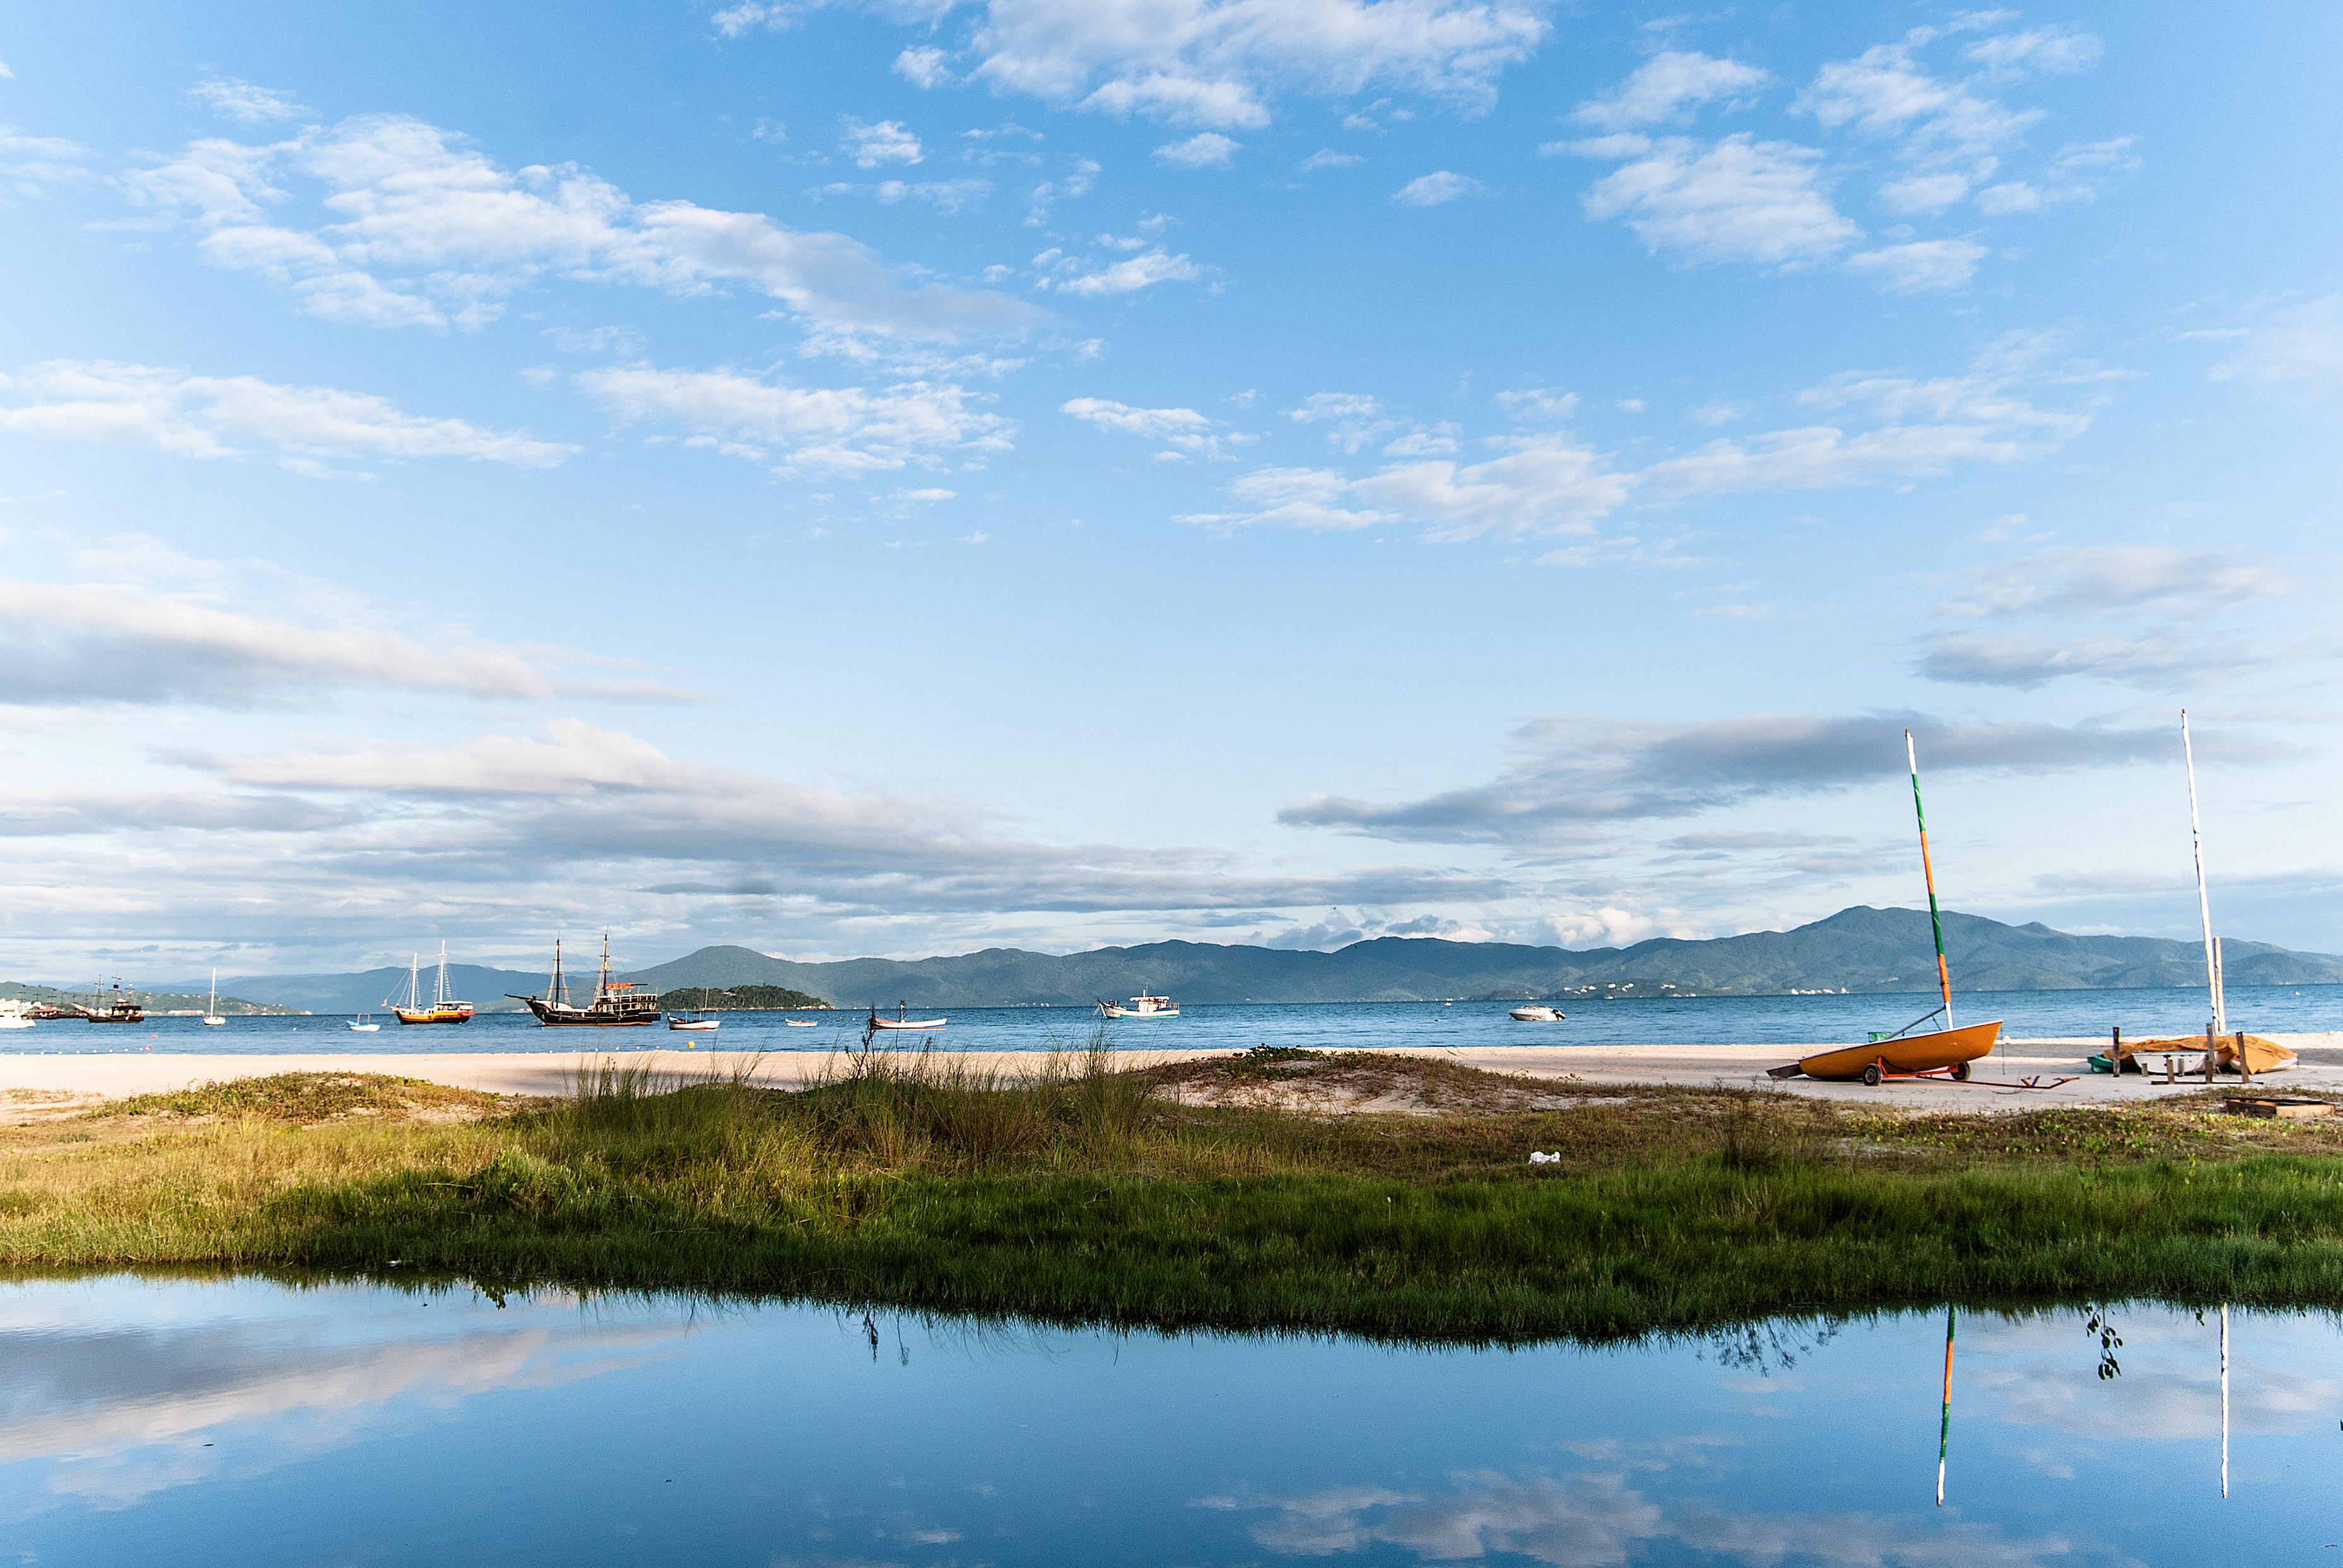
[211, 1014]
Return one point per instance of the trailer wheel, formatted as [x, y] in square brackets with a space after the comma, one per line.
[1871, 1076]
[1960, 1072]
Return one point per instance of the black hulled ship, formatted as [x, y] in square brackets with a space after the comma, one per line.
[617, 1004]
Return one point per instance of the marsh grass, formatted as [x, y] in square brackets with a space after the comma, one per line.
[1073, 1191]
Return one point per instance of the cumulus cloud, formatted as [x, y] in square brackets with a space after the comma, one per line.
[1580, 773]
[1920, 266]
[1886, 92]
[923, 67]
[2059, 51]
[1073, 185]
[1739, 199]
[846, 430]
[1666, 86]
[873, 143]
[2079, 171]
[1089, 276]
[1204, 150]
[1437, 187]
[215, 416]
[1535, 485]
[416, 227]
[245, 104]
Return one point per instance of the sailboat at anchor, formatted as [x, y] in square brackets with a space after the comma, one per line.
[444, 1008]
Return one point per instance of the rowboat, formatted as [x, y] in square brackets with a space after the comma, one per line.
[800, 1023]
[685, 1020]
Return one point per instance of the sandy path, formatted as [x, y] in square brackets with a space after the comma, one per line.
[25, 1077]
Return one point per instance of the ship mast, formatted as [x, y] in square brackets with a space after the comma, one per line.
[1928, 871]
[2204, 909]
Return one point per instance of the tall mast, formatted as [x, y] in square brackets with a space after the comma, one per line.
[414, 981]
[556, 990]
[2204, 908]
[439, 995]
[1927, 871]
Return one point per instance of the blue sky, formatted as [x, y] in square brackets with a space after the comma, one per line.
[901, 478]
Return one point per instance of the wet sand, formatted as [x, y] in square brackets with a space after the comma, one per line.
[1997, 1084]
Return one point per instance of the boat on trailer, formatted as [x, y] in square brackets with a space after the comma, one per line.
[1944, 1052]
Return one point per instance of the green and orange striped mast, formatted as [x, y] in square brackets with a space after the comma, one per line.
[1936, 920]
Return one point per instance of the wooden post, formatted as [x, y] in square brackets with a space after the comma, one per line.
[2115, 1054]
[2208, 1056]
[2245, 1068]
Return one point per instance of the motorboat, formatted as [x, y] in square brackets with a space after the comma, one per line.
[1141, 1006]
[364, 1024]
[15, 1015]
[1536, 1012]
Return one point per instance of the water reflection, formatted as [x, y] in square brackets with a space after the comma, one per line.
[246, 1422]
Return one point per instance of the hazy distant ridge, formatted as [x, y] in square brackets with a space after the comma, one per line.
[1861, 949]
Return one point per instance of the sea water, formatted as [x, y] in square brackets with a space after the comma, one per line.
[1427, 1026]
[245, 1422]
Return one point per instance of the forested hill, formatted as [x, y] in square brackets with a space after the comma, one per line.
[1857, 949]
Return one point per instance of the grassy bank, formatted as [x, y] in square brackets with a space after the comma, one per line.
[1088, 1193]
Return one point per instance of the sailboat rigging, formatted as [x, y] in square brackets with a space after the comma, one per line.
[616, 1003]
[211, 1013]
[444, 1008]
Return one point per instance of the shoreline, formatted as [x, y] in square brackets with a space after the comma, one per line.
[95, 1077]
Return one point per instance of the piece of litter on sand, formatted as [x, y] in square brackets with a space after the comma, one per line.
[1538, 1157]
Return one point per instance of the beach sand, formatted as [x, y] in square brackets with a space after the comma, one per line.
[44, 1084]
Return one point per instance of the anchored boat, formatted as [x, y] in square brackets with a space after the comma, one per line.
[902, 1019]
[1535, 1012]
[1941, 1052]
[617, 1004]
[444, 1008]
[212, 1019]
[1141, 1006]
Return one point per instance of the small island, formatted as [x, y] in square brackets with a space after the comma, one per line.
[739, 999]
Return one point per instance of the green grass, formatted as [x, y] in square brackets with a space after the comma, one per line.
[917, 1180]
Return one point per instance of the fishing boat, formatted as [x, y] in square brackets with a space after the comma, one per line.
[1535, 1012]
[693, 1020]
[444, 1008]
[1141, 1006]
[1912, 1052]
[902, 1019]
[364, 1024]
[617, 1004]
[212, 1019]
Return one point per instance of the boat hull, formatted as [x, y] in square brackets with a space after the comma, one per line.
[697, 1028]
[908, 1023]
[1125, 1013]
[1938, 1052]
[432, 1014]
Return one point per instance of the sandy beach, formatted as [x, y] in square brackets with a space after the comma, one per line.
[1998, 1084]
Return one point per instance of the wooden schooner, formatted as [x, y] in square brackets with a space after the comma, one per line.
[617, 1004]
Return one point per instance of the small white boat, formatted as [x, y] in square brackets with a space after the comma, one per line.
[692, 1021]
[800, 1023]
[1141, 1006]
[364, 1024]
[212, 1019]
[1535, 1012]
[902, 1020]
[15, 1015]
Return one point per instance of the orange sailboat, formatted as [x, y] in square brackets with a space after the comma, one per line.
[1943, 1052]
[442, 1008]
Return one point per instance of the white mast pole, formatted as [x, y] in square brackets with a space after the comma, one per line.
[2204, 909]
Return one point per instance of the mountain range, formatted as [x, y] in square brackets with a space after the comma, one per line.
[1859, 949]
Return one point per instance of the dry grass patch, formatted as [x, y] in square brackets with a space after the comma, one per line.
[311, 1098]
[1340, 1082]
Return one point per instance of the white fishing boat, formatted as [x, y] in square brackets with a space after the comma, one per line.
[364, 1024]
[1141, 1006]
[212, 1019]
[1536, 1012]
[902, 1019]
[699, 1023]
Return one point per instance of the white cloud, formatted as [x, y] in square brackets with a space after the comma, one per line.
[1353, 419]
[923, 67]
[1885, 92]
[1544, 484]
[1666, 86]
[1182, 431]
[1088, 278]
[844, 430]
[212, 416]
[873, 143]
[2076, 174]
[2300, 349]
[1736, 200]
[1204, 150]
[245, 104]
[33, 165]
[1216, 63]
[1538, 403]
[2061, 51]
[950, 196]
[1075, 185]
[1437, 187]
[416, 227]
[1328, 158]
[1926, 193]
[1920, 265]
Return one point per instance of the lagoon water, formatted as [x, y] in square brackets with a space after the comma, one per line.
[1425, 1026]
[251, 1422]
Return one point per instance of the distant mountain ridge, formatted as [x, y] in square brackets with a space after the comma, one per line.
[1857, 949]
